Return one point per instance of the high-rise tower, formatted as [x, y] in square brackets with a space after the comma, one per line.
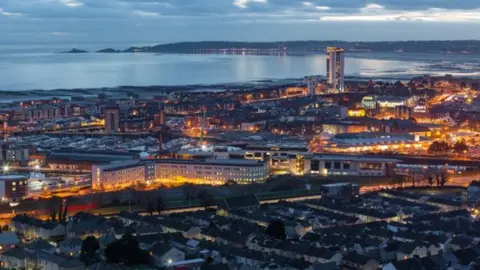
[335, 69]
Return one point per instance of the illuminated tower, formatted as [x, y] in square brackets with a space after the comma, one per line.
[335, 69]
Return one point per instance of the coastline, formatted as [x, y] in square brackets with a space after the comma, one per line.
[155, 90]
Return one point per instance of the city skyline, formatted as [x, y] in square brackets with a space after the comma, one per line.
[163, 21]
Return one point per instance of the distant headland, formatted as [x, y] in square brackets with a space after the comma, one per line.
[311, 46]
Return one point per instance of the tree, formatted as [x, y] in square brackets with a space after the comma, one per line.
[443, 178]
[430, 180]
[460, 147]
[161, 205]
[276, 229]
[439, 148]
[437, 179]
[60, 213]
[127, 251]
[53, 215]
[150, 208]
[398, 180]
[89, 249]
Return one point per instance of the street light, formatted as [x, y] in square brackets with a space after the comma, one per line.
[6, 168]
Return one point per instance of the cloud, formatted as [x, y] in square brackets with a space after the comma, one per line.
[57, 33]
[71, 3]
[9, 14]
[244, 3]
[429, 15]
[142, 13]
[372, 8]
[258, 19]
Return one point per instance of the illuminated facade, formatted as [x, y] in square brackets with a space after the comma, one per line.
[369, 142]
[369, 102]
[265, 152]
[119, 175]
[332, 164]
[13, 187]
[349, 165]
[335, 69]
[356, 113]
[211, 171]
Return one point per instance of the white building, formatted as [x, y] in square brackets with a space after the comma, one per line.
[118, 174]
[211, 171]
[335, 69]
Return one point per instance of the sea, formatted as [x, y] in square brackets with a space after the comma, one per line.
[34, 67]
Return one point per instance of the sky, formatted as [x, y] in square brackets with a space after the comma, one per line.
[164, 21]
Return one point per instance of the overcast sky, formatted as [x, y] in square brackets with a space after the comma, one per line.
[162, 21]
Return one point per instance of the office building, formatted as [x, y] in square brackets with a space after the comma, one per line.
[335, 69]
[349, 165]
[13, 187]
[112, 119]
[118, 175]
[211, 171]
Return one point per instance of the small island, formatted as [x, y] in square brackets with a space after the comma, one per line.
[75, 51]
[109, 50]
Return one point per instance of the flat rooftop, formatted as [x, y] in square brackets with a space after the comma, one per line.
[354, 158]
[217, 162]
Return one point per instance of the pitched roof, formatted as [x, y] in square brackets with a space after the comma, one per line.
[161, 248]
[409, 264]
[39, 244]
[16, 253]
[357, 258]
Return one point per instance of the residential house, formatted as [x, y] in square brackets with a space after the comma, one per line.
[15, 258]
[165, 254]
[40, 245]
[49, 261]
[354, 260]
[71, 247]
[412, 250]
[409, 264]
[32, 228]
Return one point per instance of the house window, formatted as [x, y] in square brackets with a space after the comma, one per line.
[328, 164]
[337, 165]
